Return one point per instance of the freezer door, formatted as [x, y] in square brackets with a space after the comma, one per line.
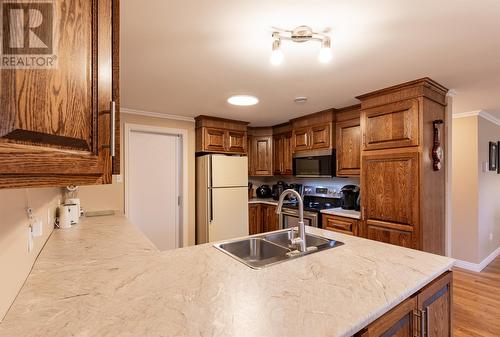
[229, 209]
[229, 171]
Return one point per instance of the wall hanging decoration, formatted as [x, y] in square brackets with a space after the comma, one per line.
[498, 157]
[494, 156]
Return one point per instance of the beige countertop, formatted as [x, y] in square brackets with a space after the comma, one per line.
[103, 278]
[267, 201]
[347, 213]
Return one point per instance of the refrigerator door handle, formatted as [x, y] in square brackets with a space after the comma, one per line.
[211, 205]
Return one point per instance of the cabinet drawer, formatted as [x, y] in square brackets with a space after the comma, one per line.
[391, 126]
[396, 234]
[340, 224]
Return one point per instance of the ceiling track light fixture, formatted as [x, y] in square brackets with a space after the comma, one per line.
[301, 34]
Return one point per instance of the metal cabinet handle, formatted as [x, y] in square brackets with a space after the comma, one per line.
[113, 128]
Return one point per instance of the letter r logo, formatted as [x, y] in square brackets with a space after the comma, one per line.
[27, 28]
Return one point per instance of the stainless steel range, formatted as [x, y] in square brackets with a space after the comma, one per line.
[316, 198]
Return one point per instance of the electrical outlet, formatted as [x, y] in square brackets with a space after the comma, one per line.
[119, 179]
[491, 236]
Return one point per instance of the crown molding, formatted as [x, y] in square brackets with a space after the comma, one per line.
[480, 113]
[156, 115]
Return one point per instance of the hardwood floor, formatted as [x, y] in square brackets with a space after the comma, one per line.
[476, 302]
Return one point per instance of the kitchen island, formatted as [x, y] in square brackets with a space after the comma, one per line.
[104, 278]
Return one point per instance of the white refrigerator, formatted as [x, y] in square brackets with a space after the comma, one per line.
[221, 197]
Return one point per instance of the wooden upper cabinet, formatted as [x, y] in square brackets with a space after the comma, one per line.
[302, 139]
[55, 123]
[214, 139]
[321, 136]
[390, 192]
[236, 141]
[287, 167]
[219, 135]
[392, 125]
[313, 131]
[348, 148]
[282, 153]
[261, 152]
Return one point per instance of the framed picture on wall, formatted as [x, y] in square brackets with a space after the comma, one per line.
[494, 156]
[498, 157]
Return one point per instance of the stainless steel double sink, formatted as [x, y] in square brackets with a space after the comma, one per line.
[264, 250]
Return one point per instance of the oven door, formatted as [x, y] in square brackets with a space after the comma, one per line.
[289, 218]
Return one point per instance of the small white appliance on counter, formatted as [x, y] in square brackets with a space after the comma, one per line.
[221, 198]
[68, 215]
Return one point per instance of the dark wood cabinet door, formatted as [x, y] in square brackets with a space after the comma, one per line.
[282, 154]
[236, 142]
[391, 126]
[302, 139]
[261, 156]
[287, 168]
[321, 136]
[340, 224]
[277, 154]
[399, 322]
[254, 219]
[214, 139]
[349, 148]
[269, 218]
[390, 192]
[434, 304]
[55, 124]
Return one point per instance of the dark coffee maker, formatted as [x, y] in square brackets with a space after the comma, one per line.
[350, 197]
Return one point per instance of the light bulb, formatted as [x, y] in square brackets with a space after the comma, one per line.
[277, 55]
[325, 54]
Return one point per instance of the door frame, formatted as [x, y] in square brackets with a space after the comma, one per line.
[183, 172]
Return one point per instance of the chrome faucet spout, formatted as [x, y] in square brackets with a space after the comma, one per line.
[301, 240]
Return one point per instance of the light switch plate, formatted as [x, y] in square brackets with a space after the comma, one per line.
[30, 239]
[37, 228]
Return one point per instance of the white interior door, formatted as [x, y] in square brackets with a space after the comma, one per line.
[153, 180]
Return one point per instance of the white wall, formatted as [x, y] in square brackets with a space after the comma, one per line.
[111, 197]
[15, 260]
[475, 192]
[489, 192]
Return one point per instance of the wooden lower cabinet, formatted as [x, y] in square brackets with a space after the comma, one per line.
[254, 219]
[340, 224]
[262, 218]
[426, 314]
[269, 218]
[390, 185]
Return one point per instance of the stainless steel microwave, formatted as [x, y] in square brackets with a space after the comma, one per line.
[315, 164]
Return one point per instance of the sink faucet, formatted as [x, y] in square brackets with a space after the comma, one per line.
[301, 240]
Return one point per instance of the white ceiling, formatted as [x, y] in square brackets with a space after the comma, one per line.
[185, 57]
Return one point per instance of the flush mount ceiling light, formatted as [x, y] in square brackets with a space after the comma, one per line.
[300, 34]
[300, 100]
[243, 100]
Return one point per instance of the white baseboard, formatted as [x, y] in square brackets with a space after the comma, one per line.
[477, 267]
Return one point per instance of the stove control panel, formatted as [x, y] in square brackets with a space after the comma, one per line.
[321, 191]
